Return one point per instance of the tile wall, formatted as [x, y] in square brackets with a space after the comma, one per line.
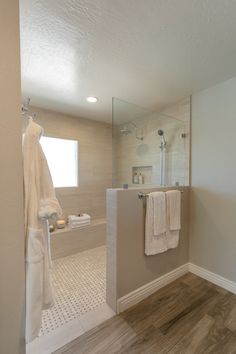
[130, 152]
[95, 160]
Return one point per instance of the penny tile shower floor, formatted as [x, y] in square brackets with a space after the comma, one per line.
[79, 282]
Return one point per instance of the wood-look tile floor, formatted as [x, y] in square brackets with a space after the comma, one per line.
[187, 316]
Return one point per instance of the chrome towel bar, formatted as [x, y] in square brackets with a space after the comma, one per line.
[142, 195]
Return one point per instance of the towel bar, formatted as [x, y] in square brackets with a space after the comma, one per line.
[142, 195]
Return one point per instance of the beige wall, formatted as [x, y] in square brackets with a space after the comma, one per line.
[213, 235]
[11, 182]
[130, 152]
[128, 267]
[95, 160]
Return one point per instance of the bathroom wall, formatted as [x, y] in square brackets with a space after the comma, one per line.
[129, 151]
[128, 267]
[95, 160]
[11, 183]
[213, 196]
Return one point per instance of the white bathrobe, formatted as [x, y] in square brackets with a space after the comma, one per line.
[40, 205]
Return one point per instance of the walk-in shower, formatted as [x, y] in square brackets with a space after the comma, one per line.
[148, 147]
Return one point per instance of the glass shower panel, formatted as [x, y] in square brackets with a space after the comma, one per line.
[149, 148]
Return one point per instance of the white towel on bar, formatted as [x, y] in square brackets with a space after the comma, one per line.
[173, 211]
[159, 205]
[155, 244]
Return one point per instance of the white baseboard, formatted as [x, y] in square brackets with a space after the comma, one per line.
[148, 289]
[144, 291]
[213, 277]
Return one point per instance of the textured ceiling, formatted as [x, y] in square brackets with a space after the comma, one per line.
[148, 52]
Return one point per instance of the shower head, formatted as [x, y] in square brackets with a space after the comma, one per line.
[125, 131]
[160, 132]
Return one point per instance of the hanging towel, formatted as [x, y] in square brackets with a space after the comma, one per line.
[159, 212]
[155, 244]
[173, 211]
[40, 204]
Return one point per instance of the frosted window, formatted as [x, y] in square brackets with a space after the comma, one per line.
[62, 157]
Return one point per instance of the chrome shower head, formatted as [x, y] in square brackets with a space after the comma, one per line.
[160, 132]
[125, 131]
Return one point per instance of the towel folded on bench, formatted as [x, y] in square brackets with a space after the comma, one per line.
[81, 217]
[76, 221]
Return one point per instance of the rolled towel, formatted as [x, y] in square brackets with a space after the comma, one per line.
[76, 218]
[155, 224]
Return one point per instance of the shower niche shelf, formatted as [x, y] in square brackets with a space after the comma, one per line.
[144, 171]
